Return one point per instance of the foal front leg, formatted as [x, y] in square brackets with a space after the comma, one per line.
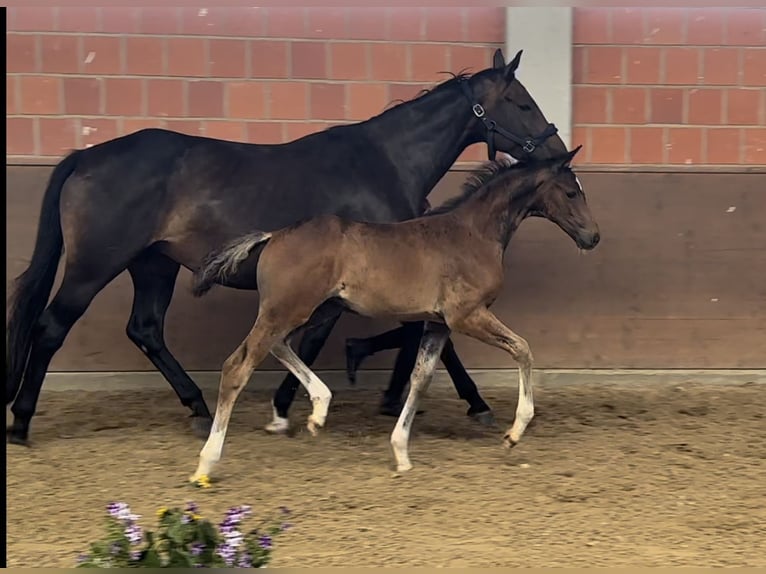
[484, 326]
[431, 345]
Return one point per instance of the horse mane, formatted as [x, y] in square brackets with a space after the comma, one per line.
[454, 79]
[478, 180]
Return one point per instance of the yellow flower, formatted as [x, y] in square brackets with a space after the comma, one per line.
[196, 517]
[203, 481]
[161, 512]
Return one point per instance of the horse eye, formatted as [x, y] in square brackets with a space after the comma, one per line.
[524, 107]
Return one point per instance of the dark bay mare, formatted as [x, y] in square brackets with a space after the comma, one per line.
[156, 200]
[445, 268]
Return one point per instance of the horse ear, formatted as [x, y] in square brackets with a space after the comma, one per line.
[513, 65]
[498, 60]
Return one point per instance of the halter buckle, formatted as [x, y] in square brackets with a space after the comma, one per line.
[478, 110]
[529, 146]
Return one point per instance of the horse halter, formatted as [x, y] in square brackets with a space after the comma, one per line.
[528, 144]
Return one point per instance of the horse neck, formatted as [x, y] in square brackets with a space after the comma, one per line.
[424, 137]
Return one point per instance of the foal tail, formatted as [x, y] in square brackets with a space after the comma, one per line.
[33, 287]
[218, 265]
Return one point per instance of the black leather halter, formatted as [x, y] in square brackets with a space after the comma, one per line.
[528, 144]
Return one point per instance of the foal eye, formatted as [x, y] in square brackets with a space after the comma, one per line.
[571, 194]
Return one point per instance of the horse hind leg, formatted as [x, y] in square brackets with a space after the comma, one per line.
[154, 277]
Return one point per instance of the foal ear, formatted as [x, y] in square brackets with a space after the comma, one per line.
[498, 60]
[566, 159]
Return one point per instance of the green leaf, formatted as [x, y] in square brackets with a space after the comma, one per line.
[151, 559]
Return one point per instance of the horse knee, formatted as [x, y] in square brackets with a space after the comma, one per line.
[147, 336]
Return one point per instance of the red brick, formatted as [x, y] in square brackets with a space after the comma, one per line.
[720, 66]
[754, 67]
[629, 105]
[228, 58]
[20, 136]
[189, 127]
[604, 65]
[132, 125]
[40, 95]
[608, 145]
[579, 60]
[144, 56]
[326, 23]
[82, 96]
[186, 57]
[627, 25]
[205, 98]
[406, 24]
[705, 26]
[723, 145]
[475, 153]
[60, 54]
[264, 132]
[666, 106]
[755, 146]
[682, 66]
[225, 130]
[309, 60]
[165, 98]
[21, 53]
[646, 145]
[705, 106]
[245, 100]
[101, 55]
[247, 22]
[296, 130]
[204, 21]
[29, 19]
[665, 25]
[72, 19]
[590, 104]
[404, 92]
[164, 20]
[288, 100]
[642, 65]
[368, 23]
[348, 61]
[11, 103]
[745, 27]
[591, 26]
[685, 146]
[124, 97]
[469, 58]
[365, 100]
[120, 20]
[444, 24]
[743, 106]
[285, 22]
[389, 61]
[328, 101]
[269, 59]
[58, 136]
[98, 130]
[485, 25]
[428, 61]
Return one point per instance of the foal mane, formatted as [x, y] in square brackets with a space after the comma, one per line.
[478, 180]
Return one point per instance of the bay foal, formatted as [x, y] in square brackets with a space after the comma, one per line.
[445, 268]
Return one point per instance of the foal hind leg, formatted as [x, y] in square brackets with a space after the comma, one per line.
[431, 344]
[154, 277]
[484, 326]
[68, 305]
[236, 371]
[317, 390]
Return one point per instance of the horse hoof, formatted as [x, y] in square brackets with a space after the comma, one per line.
[15, 436]
[486, 418]
[277, 428]
[508, 442]
[201, 426]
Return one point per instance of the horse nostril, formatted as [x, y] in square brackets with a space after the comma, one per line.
[596, 238]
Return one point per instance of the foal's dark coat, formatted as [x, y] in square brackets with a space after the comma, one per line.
[154, 200]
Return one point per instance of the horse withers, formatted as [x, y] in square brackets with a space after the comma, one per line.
[445, 268]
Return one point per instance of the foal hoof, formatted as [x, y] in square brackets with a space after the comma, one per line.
[201, 426]
[508, 442]
[486, 418]
[313, 426]
[394, 410]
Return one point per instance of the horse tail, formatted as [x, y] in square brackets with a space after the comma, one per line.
[33, 287]
[220, 264]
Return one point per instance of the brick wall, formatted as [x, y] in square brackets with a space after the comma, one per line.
[670, 85]
[78, 76]
[651, 86]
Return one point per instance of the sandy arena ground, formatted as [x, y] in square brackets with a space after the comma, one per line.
[607, 475]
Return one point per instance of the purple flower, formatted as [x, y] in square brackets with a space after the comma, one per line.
[245, 561]
[265, 542]
[246, 510]
[284, 510]
[227, 553]
[285, 526]
[118, 509]
[136, 555]
[233, 538]
[225, 527]
[185, 519]
[134, 534]
[114, 549]
[197, 548]
[82, 558]
[191, 507]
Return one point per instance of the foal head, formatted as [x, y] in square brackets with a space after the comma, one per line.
[560, 198]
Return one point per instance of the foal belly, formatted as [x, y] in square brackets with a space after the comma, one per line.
[401, 301]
